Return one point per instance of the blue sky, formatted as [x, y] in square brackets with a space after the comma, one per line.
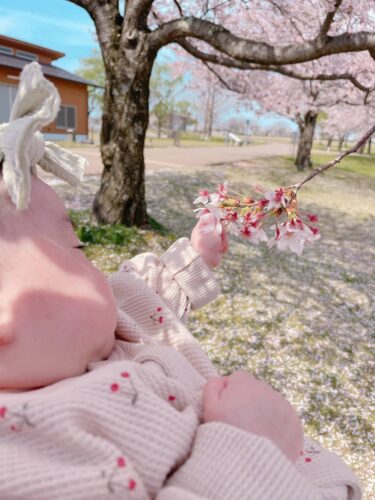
[65, 27]
[56, 24]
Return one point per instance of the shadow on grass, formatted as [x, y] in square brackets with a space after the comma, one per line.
[314, 312]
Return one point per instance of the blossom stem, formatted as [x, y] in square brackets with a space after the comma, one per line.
[334, 162]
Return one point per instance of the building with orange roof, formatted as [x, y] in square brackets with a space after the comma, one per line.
[72, 119]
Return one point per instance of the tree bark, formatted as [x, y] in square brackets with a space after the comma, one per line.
[341, 143]
[329, 143]
[121, 197]
[209, 112]
[159, 127]
[306, 125]
[369, 146]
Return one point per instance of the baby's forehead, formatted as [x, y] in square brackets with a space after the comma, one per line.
[45, 204]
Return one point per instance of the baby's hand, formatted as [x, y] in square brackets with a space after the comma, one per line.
[211, 244]
[243, 401]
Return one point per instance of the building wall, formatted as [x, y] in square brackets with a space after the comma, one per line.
[71, 93]
[45, 56]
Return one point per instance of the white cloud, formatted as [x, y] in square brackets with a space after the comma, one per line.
[19, 17]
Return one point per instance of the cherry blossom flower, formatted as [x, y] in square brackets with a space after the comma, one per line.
[276, 199]
[222, 190]
[204, 197]
[247, 217]
[291, 239]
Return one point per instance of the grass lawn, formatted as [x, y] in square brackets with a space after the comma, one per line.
[304, 324]
[358, 164]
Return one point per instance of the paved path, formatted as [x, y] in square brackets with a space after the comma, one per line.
[172, 157]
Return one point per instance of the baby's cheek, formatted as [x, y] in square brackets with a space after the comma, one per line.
[61, 322]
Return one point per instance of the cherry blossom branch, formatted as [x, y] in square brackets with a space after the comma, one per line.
[291, 21]
[221, 60]
[334, 162]
[221, 79]
[209, 9]
[247, 217]
[251, 51]
[179, 8]
[329, 20]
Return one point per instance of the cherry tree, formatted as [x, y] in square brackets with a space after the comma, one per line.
[204, 84]
[266, 34]
[302, 99]
[348, 121]
[343, 121]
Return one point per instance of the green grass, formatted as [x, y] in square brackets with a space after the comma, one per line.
[108, 246]
[358, 164]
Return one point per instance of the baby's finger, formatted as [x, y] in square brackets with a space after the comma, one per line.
[207, 223]
[224, 241]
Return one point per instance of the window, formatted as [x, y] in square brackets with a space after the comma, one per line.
[5, 50]
[66, 117]
[7, 96]
[26, 55]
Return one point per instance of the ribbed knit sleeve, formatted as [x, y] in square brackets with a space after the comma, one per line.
[115, 432]
[180, 277]
[227, 463]
[190, 271]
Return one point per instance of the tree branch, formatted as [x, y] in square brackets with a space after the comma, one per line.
[250, 51]
[136, 13]
[290, 20]
[209, 9]
[231, 63]
[179, 8]
[221, 79]
[334, 162]
[328, 21]
[107, 19]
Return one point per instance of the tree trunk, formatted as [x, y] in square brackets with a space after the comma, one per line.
[329, 143]
[121, 197]
[341, 143]
[307, 128]
[207, 113]
[159, 127]
[211, 111]
[369, 146]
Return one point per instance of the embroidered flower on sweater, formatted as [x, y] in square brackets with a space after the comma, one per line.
[126, 268]
[115, 482]
[157, 317]
[129, 389]
[311, 450]
[17, 419]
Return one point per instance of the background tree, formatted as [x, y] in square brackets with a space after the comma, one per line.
[347, 122]
[92, 69]
[164, 90]
[303, 99]
[265, 33]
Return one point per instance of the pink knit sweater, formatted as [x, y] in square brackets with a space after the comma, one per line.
[130, 427]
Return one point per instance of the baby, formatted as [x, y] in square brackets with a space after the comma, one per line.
[105, 394]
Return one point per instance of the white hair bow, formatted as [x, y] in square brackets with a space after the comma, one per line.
[21, 144]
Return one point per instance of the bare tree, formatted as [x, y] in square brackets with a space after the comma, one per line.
[129, 46]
